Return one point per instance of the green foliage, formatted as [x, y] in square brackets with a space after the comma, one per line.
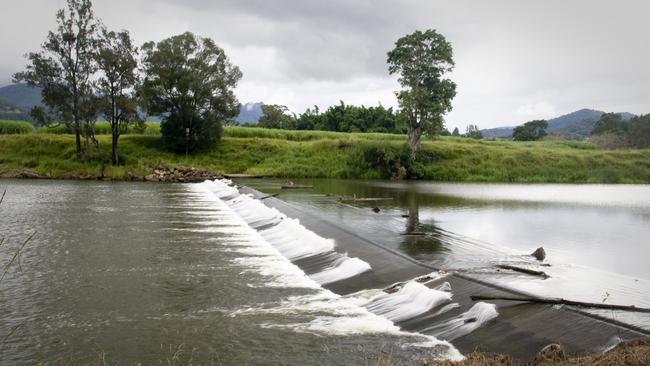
[339, 118]
[530, 131]
[116, 58]
[612, 123]
[15, 127]
[611, 132]
[64, 70]
[421, 60]
[473, 132]
[204, 132]
[639, 131]
[189, 80]
[276, 116]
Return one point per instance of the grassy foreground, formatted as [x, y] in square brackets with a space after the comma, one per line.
[335, 155]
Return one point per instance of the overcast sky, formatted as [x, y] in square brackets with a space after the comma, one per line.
[516, 60]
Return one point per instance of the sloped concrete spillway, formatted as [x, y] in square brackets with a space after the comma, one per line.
[413, 296]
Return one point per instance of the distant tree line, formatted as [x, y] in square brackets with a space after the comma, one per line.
[339, 118]
[612, 132]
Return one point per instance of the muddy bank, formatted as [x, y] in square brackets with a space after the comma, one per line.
[174, 174]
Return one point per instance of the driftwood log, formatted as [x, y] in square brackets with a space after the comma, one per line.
[531, 272]
[556, 301]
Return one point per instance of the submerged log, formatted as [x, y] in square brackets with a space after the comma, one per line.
[531, 272]
[296, 186]
[557, 301]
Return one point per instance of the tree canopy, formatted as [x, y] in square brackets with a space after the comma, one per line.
[190, 81]
[422, 59]
[117, 59]
[276, 116]
[530, 131]
[64, 69]
[610, 122]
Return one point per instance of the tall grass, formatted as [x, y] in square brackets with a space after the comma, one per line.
[15, 127]
[103, 128]
[352, 156]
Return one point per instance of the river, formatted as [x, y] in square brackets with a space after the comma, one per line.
[151, 273]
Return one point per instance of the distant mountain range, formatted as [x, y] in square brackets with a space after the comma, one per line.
[17, 100]
[249, 113]
[575, 126]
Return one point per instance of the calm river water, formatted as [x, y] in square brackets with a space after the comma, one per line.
[152, 272]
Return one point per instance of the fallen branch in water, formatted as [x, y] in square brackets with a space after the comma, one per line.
[555, 301]
[368, 199]
[269, 196]
[523, 270]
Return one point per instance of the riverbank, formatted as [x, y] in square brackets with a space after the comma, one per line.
[295, 154]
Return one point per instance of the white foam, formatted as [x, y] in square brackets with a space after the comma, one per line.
[408, 302]
[465, 323]
[288, 236]
[345, 268]
[295, 241]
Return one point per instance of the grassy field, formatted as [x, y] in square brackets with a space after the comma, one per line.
[335, 155]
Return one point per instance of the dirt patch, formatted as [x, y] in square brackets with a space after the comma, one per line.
[629, 353]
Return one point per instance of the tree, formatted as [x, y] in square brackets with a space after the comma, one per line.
[276, 116]
[530, 131]
[472, 131]
[116, 58]
[639, 131]
[612, 123]
[64, 69]
[190, 81]
[421, 60]
[455, 132]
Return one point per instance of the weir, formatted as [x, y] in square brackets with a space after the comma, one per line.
[417, 297]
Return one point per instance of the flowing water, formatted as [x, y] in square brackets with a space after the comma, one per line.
[596, 237]
[153, 273]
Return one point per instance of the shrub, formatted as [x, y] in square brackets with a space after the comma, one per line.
[15, 127]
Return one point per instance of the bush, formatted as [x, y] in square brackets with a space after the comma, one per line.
[15, 127]
[188, 134]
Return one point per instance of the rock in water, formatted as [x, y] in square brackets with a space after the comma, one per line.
[375, 209]
[539, 254]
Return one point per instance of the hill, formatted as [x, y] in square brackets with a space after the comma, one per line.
[16, 100]
[20, 95]
[574, 126]
[249, 113]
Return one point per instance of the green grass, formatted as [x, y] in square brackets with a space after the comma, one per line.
[337, 155]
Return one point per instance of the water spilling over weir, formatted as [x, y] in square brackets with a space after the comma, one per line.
[398, 303]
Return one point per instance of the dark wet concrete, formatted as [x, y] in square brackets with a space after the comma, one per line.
[520, 330]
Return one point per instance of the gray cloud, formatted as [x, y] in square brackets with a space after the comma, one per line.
[516, 60]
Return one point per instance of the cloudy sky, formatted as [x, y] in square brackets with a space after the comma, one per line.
[516, 60]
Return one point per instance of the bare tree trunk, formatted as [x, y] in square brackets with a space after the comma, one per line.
[77, 135]
[115, 158]
[414, 135]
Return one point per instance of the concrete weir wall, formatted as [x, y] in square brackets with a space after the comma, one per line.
[519, 329]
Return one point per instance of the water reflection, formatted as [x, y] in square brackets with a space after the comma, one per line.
[421, 240]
